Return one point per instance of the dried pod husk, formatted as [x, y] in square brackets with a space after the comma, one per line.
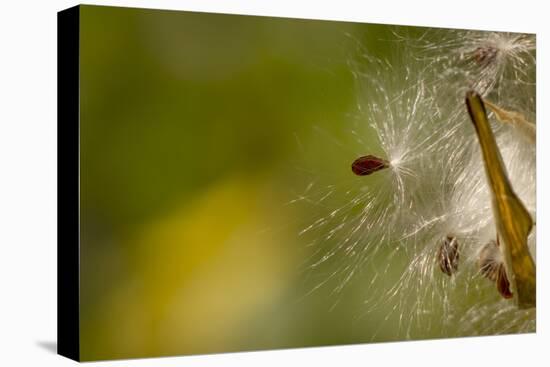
[364, 166]
[448, 255]
[516, 119]
[513, 220]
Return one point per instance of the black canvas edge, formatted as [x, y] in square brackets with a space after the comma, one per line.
[68, 183]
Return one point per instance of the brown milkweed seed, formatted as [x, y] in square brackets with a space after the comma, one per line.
[491, 267]
[448, 255]
[485, 55]
[368, 164]
[488, 261]
[503, 285]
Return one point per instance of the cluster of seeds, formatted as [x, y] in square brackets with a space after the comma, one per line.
[432, 201]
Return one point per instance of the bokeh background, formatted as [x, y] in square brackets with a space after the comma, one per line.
[198, 134]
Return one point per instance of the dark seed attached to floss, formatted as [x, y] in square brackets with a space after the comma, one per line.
[492, 268]
[503, 285]
[485, 55]
[364, 166]
[448, 255]
[487, 261]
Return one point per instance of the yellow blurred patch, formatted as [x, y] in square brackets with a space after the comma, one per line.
[201, 273]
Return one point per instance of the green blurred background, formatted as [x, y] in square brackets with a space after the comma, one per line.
[197, 131]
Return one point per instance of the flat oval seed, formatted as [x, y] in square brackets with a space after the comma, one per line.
[503, 285]
[368, 164]
[448, 255]
[485, 55]
[487, 261]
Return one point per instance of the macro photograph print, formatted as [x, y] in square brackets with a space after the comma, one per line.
[258, 183]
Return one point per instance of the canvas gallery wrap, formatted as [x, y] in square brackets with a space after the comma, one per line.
[234, 183]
